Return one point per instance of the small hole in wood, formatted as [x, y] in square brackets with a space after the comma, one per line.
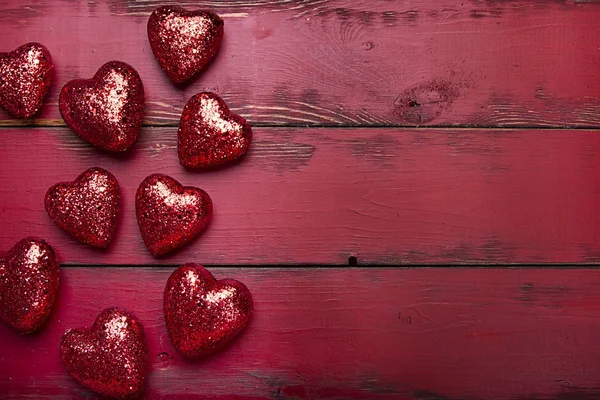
[352, 261]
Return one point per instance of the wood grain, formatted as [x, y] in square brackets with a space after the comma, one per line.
[345, 62]
[319, 196]
[408, 334]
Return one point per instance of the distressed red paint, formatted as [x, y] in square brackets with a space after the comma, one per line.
[516, 326]
[303, 63]
[314, 196]
[435, 196]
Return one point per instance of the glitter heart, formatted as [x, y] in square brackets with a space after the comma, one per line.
[209, 134]
[203, 314]
[107, 110]
[170, 215]
[111, 357]
[25, 76]
[184, 41]
[28, 284]
[86, 208]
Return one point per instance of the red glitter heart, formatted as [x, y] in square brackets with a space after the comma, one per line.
[107, 110]
[170, 215]
[28, 284]
[88, 207]
[202, 314]
[111, 357]
[209, 134]
[184, 41]
[25, 76]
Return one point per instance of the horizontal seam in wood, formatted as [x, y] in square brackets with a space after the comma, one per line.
[579, 266]
[411, 127]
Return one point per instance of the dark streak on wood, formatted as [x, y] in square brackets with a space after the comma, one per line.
[389, 18]
[568, 393]
[382, 195]
[282, 156]
[225, 6]
[426, 102]
[20, 13]
[410, 334]
[552, 296]
[494, 13]
[357, 57]
[377, 149]
[428, 395]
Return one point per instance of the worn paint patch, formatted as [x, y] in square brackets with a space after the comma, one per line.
[381, 149]
[282, 156]
[425, 102]
[543, 295]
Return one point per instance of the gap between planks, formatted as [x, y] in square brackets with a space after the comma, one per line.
[5, 125]
[379, 267]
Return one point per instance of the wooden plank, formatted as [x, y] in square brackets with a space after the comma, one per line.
[347, 334]
[322, 195]
[345, 62]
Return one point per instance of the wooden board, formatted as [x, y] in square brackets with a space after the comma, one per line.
[305, 196]
[340, 174]
[345, 62]
[409, 334]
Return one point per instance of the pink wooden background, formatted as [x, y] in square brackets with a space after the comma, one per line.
[406, 132]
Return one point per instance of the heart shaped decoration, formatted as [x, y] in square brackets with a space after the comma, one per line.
[170, 215]
[28, 284]
[203, 314]
[184, 41]
[25, 76]
[107, 110]
[111, 357]
[86, 208]
[209, 134]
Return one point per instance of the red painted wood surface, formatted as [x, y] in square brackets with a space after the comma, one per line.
[321, 195]
[316, 196]
[346, 62]
[347, 334]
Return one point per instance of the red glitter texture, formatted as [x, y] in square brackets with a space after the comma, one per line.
[107, 110]
[25, 76]
[111, 357]
[202, 314]
[209, 134]
[184, 41]
[28, 284]
[169, 214]
[86, 208]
